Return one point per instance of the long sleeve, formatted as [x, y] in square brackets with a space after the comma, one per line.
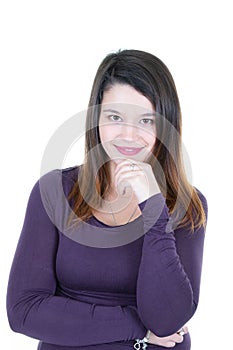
[170, 270]
[33, 307]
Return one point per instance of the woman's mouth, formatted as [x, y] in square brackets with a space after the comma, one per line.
[128, 151]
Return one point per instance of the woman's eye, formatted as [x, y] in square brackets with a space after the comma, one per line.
[115, 118]
[147, 121]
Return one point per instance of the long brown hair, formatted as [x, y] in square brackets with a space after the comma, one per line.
[149, 76]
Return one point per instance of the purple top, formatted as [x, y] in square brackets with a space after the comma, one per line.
[73, 295]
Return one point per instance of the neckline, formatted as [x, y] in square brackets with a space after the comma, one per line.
[123, 226]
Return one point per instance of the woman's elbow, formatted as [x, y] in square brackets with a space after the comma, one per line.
[165, 321]
[14, 319]
[16, 311]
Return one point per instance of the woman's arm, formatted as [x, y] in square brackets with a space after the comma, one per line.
[170, 271]
[34, 309]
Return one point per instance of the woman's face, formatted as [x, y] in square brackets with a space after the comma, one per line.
[127, 124]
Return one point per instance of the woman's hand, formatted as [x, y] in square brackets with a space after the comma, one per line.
[137, 175]
[169, 341]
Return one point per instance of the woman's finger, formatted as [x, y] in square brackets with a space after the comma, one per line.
[128, 164]
[129, 168]
[168, 341]
[177, 338]
[183, 330]
[169, 344]
[127, 176]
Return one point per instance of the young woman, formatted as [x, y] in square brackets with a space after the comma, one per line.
[110, 253]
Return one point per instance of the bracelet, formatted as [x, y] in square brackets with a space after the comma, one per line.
[143, 341]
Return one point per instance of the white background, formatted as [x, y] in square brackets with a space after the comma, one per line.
[50, 51]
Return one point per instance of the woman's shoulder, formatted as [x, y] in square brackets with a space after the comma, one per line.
[203, 199]
[66, 174]
[71, 173]
[54, 188]
[58, 181]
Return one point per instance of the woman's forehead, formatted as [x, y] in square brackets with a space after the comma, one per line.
[125, 95]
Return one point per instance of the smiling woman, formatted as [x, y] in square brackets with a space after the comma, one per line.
[139, 284]
[124, 125]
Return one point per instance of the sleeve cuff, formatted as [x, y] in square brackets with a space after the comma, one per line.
[155, 214]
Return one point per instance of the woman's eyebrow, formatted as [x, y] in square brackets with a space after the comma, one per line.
[112, 111]
[148, 114]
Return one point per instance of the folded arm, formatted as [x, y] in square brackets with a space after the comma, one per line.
[170, 271]
[33, 307]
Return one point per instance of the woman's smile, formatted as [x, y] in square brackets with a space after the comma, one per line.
[128, 151]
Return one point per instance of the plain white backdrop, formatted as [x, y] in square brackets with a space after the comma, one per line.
[50, 51]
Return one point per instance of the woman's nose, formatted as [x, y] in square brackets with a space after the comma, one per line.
[129, 131]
